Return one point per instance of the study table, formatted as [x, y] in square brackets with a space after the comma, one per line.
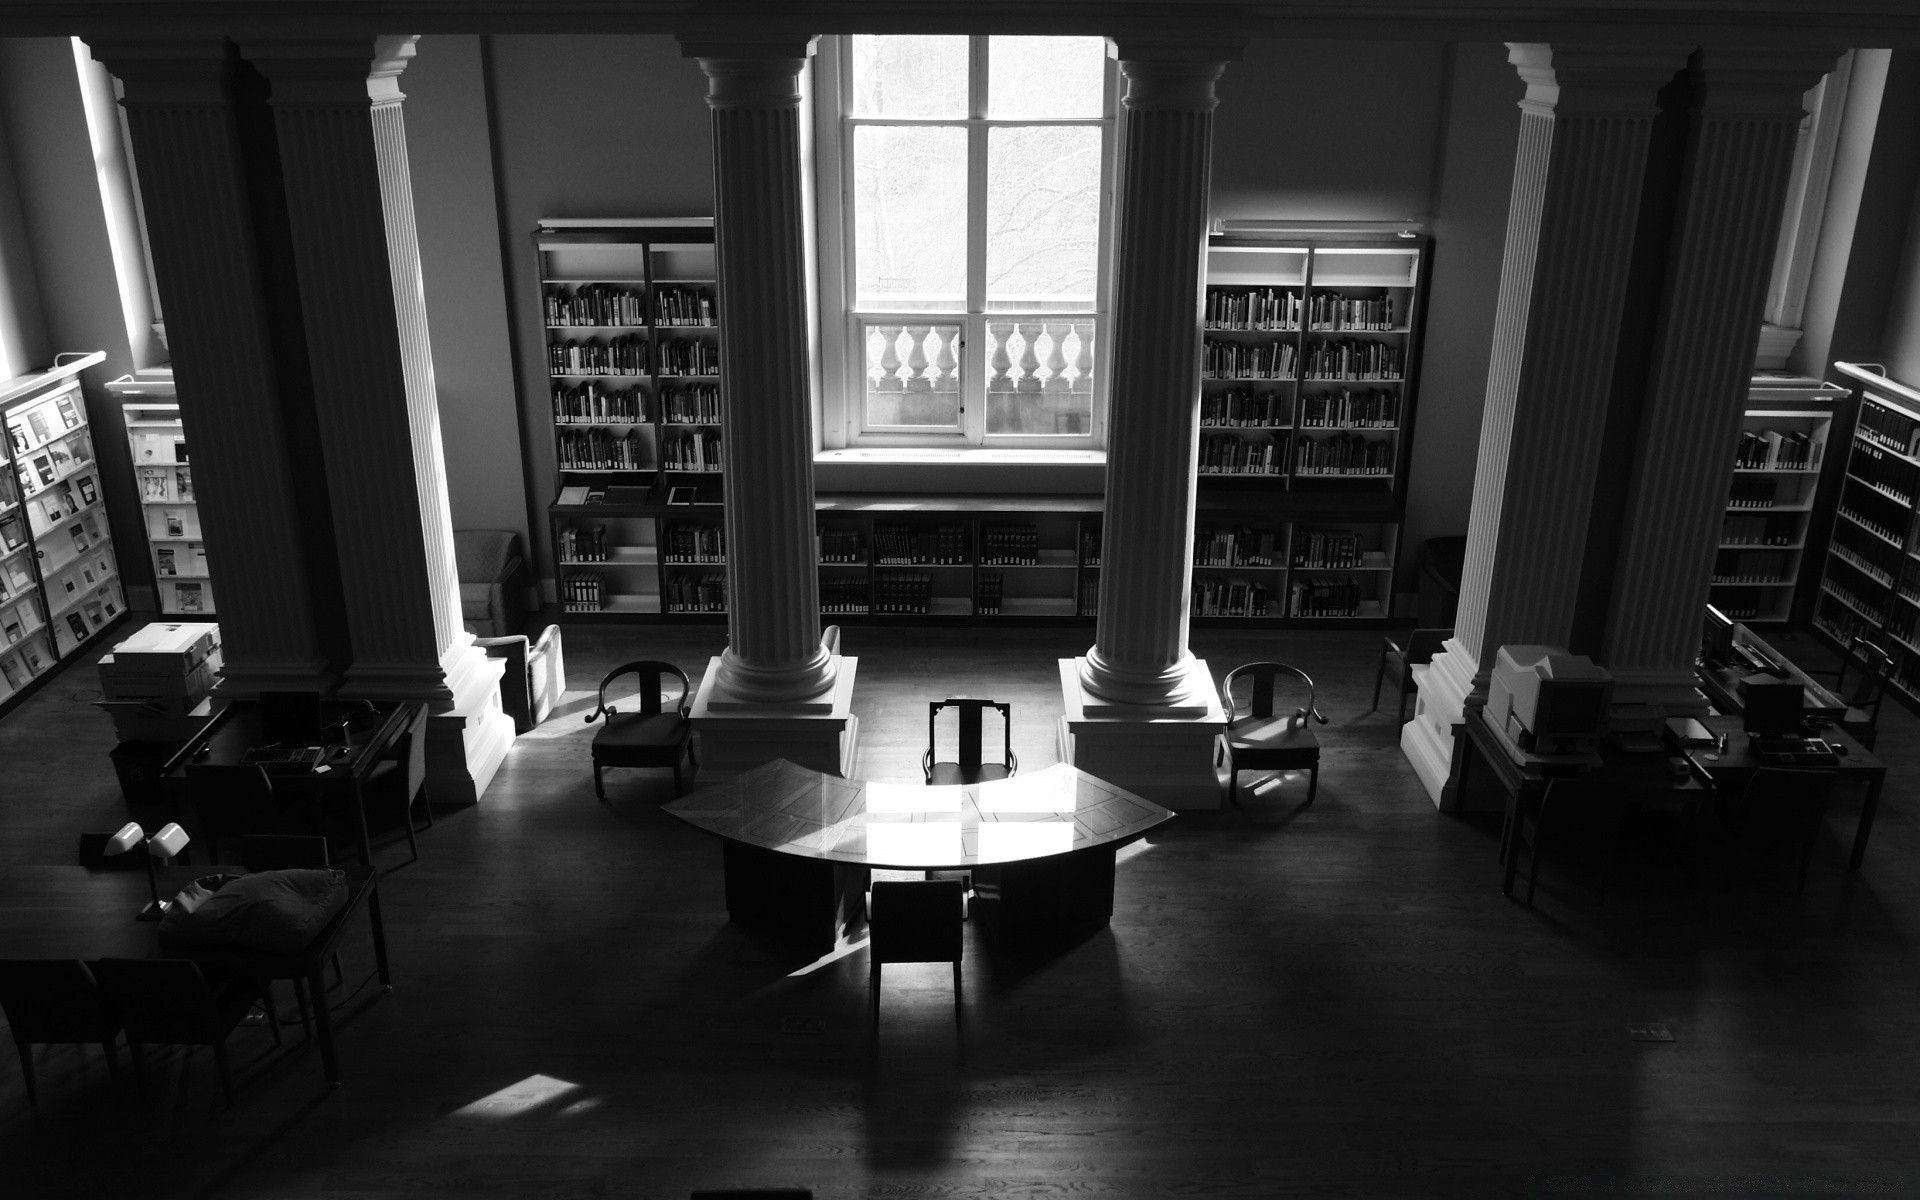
[372, 728]
[72, 912]
[1732, 769]
[1721, 682]
[798, 845]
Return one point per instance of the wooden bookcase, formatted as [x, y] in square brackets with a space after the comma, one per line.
[163, 479]
[59, 582]
[1309, 363]
[1773, 496]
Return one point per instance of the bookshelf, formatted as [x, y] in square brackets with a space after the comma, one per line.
[1308, 368]
[59, 581]
[163, 480]
[1778, 466]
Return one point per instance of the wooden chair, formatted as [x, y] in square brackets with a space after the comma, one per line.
[1261, 740]
[652, 737]
[911, 921]
[1783, 807]
[55, 1000]
[1576, 816]
[966, 765]
[169, 1002]
[399, 781]
[291, 852]
[1869, 666]
[1399, 661]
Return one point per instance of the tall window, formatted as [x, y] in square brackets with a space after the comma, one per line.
[973, 183]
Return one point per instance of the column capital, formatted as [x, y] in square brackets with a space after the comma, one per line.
[1577, 79]
[159, 72]
[750, 72]
[1752, 81]
[333, 71]
[1172, 75]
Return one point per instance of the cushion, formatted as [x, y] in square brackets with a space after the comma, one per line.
[475, 599]
[280, 912]
[483, 555]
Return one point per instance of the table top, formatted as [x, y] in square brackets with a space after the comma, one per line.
[1739, 757]
[235, 729]
[793, 810]
[1722, 684]
[74, 912]
[1636, 774]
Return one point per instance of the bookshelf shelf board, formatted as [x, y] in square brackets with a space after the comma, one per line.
[1243, 474]
[1228, 567]
[673, 470]
[172, 423]
[597, 325]
[597, 375]
[1351, 428]
[69, 603]
[1776, 471]
[1213, 328]
[834, 562]
[1797, 506]
[1763, 546]
[595, 423]
[1857, 523]
[1353, 379]
[594, 279]
[1825, 590]
[1247, 428]
[669, 375]
[1036, 606]
[1752, 583]
[1353, 329]
[1889, 493]
[1887, 448]
[21, 548]
[692, 424]
[184, 575]
[1249, 379]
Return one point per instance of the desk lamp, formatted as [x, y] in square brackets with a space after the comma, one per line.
[170, 841]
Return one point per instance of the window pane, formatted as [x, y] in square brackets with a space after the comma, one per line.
[896, 75]
[913, 375]
[1046, 76]
[1040, 377]
[910, 217]
[1043, 216]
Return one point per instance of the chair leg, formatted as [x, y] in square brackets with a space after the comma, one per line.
[956, 991]
[306, 1017]
[873, 991]
[598, 789]
[678, 787]
[113, 1064]
[1533, 865]
[226, 1072]
[1313, 783]
[273, 1014]
[26, 1070]
[339, 976]
[139, 1053]
[1405, 691]
[1233, 787]
[413, 842]
[1379, 675]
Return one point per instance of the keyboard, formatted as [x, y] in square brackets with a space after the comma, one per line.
[1794, 751]
[284, 760]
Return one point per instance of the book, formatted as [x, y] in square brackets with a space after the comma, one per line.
[163, 561]
[187, 597]
[78, 624]
[69, 415]
[176, 524]
[572, 495]
[183, 484]
[88, 492]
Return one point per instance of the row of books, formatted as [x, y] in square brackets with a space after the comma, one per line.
[1335, 549]
[696, 543]
[705, 592]
[1882, 574]
[33, 427]
[1343, 454]
[692, 403]
[1751, 493]
[595, 304]
[1344, 408]
[1353, 358]
[190, 560]
[1229, 598]
[697, 450]
[1883, 558]
[1910, 581]
[1889, 427]
[596, 449]
[1896, 477]
[583, 543]
[1009, 543]
[1873, 612]
[590, 403]
[943, 545]
[1090, 597]
[1245, 408]
[1326, 597]
[1859, 516]
[1772, 450]
[1228, 455]
[160, 485]
[1747, 529]
[625, 355]
[908, 592]
[62, 457]
[1239, 547]
[678, 304]
[1259, 308]
[988, 587]
[583, 591]
[1243, 360]
[689, 356]
[843, 595]
[1089, 546]
[1740, 605]
[837, 544]
[1333, 310]
[1753, 566]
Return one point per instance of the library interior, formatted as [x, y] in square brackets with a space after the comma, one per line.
[849, 600]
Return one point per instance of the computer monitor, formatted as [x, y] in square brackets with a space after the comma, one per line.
[1772, 707]
[290, 718]
[1716, 638]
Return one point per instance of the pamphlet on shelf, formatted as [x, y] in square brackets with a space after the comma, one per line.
[680, 495]
[572, 495]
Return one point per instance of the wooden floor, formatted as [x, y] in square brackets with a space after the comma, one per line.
[1334, 1001]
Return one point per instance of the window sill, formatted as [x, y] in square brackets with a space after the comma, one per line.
[975, 469]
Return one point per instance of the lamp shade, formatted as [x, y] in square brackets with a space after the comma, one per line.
[170, 841]
[124, 839]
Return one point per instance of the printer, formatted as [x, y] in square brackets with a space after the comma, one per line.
[1547, 702]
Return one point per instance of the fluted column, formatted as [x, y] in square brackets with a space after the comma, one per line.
[234, 368]
[1745, 116]
[1140, 654]
[337, 110]
[773, 607]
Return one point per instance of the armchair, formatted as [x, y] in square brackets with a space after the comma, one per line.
[493, 581]
[536, 675]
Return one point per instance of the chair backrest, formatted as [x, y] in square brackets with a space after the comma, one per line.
[229, 799]
[54, 1000]
[651, 676]
[291, 718]
[161, 1000]
[1785, 800]
[411, 747]
[1423, 644]
[1260, 702]
[1870, 666]
[916, 920]
[283, 852]
[970, 739]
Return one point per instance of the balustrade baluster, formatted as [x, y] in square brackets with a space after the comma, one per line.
[1083, 356]
[999, 360]
[917, 379]
[1057, 358]
[1029, 357]
[944, 362]
[890, 359]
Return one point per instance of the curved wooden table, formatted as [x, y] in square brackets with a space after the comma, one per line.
[798, 845]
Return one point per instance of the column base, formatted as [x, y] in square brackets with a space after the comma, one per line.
[1161, 753]
[1428, 740]
[818, 732]
[467, 743]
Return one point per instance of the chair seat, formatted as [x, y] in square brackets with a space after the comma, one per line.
[1261, 743]
[635, 736]
[946, 774]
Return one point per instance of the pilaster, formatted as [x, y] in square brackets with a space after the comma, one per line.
[201, 198]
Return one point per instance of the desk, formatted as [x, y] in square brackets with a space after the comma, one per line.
[1647, 779]
[1732, 769]
[1722, 684]
[71, 912]
[798, 845]
[236, 728]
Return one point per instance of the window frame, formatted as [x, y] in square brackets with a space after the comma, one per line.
[843, 326]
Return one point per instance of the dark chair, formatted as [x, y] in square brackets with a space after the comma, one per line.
[169, 1002]
[1399, 661]
[1782, 807]
[1862, 683]
[966, 765]
[290, 852]
[535, 678]
[1576, 817]
[912, 921]
[55, 1000]
[399, 781]
[652, 737]
[1260, 739]
[232, 800]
